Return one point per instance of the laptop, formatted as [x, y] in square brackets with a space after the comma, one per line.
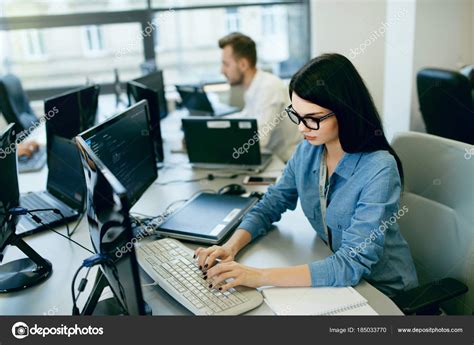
[65, 189]
[195, 99]
[224, 144]
[223, 214]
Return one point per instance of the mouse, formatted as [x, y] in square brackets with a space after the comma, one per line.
[232, 189]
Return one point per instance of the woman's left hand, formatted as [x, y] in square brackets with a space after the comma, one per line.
[241, 275]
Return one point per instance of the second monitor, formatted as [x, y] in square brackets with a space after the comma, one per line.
[151, 89]
[124, 144]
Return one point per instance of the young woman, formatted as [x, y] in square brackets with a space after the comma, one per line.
[348, 179]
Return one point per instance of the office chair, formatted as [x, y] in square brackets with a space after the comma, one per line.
[14, 103]
[446, 104]
[439, 224]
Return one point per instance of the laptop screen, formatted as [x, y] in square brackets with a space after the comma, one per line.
[222, 141]
[124, 144]
[65, 173]
[194, 98]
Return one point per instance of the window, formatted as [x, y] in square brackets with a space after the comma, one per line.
[232, 19]
[14, 8]
[268, 21]
[33, 44]
[44, 51]
[189, 52]
[68, 64]
[92, 40]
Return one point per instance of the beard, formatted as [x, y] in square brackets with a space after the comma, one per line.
[238, 80]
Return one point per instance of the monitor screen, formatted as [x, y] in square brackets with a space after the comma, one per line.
[65, 173]
[110, 231]
[72, 112]
[124, 144]
[155, 82]
[138, 92]
[9, 192]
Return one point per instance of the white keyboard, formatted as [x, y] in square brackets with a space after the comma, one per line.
[171, 265]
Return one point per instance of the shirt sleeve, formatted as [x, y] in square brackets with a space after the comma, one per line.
[275, 202]
[363, 242]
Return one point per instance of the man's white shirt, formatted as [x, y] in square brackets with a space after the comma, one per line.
[265, 100]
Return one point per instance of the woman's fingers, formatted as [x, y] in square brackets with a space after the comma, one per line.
[221, 268]
[222, 277]
[211, 259]
[203, 255]
[229, 285]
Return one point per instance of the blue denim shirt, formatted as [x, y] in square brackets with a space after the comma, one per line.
[362, 212]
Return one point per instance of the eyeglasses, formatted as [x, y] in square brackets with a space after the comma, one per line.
[309, 121]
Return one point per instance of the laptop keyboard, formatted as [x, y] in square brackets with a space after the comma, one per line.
[33, 201]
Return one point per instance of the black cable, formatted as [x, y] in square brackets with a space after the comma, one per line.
[75, 309]
[77, 224]
[209, 177]
[55, 210]
[82, 284]
[39, 221]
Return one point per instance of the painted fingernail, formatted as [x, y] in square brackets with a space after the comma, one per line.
[205, 277]
[205, 266]
[220, 288]
[210, 285]
[194, 256]
[200, 267]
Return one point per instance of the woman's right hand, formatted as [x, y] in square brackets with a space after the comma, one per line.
[207, 257]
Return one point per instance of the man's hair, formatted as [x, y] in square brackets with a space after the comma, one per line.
[242, 46]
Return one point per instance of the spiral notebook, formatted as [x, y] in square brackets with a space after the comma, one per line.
[317, 301]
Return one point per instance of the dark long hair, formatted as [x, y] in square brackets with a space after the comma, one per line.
[331, 81]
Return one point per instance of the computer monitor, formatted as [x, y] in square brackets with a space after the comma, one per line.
[65, 173]
[9, 194]
[72, 112]
[155, 81]
[111, 236]
[124, 144]
[22, 273]
[137, 92]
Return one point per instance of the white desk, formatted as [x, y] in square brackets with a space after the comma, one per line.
[292, 242]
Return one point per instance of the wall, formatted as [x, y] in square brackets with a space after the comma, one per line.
[345, 27]
[431, 33]
[444, 38]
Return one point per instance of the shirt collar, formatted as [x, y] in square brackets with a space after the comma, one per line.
[254, 82]
[346, 166]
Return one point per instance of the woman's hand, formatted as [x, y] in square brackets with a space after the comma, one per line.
[237, 274]
[207, 257]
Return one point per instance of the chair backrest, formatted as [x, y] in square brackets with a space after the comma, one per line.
[14, 103]
[439, 224]
[446, 104]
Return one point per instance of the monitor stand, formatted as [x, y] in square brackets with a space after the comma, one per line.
[23, 273]
[109, 306]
